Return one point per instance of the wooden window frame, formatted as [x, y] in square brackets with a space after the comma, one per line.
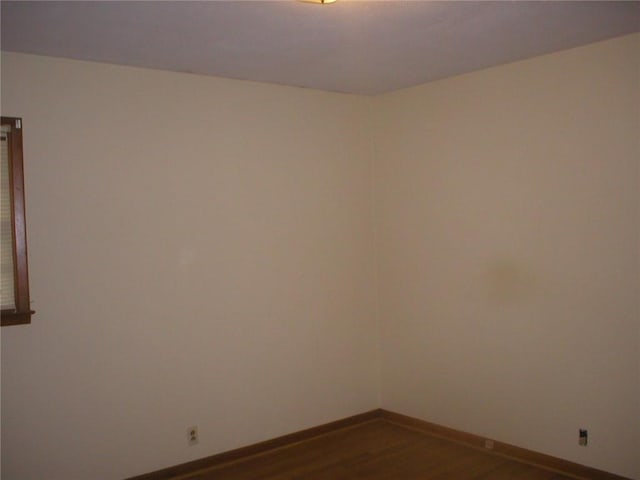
[22, 313]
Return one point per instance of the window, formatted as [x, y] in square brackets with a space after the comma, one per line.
[14, 277]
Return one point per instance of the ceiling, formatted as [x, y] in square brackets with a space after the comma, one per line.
[365, 47]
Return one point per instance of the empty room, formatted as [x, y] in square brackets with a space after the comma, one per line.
[286, 240]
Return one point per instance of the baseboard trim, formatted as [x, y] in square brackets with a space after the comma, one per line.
[548, 462]
[541, 460]
[206, 463]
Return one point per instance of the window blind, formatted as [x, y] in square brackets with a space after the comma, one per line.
[7, 288]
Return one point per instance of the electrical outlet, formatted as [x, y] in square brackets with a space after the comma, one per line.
[192, 435]
[488, 444]
[583, 437]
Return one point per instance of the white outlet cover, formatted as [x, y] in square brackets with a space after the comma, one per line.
[192, 435]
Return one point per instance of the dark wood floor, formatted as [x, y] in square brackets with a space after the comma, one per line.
[377, 450]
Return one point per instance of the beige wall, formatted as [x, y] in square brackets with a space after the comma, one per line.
[202, 252]
[507, 218]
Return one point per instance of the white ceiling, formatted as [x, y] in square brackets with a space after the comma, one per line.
[366, 47]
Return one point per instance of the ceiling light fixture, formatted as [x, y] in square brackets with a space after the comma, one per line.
[322, 2]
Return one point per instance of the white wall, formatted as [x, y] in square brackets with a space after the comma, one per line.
[507, 205]
[200, 253]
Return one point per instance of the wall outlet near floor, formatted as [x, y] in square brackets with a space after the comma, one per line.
[192, 435]
[583, 437]
[488, 444]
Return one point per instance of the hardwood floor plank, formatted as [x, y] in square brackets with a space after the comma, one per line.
[376, 450]
[506, 471]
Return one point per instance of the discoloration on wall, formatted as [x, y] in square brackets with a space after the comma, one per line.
[508, 282]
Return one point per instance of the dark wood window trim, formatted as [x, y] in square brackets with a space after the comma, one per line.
[22, 313]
